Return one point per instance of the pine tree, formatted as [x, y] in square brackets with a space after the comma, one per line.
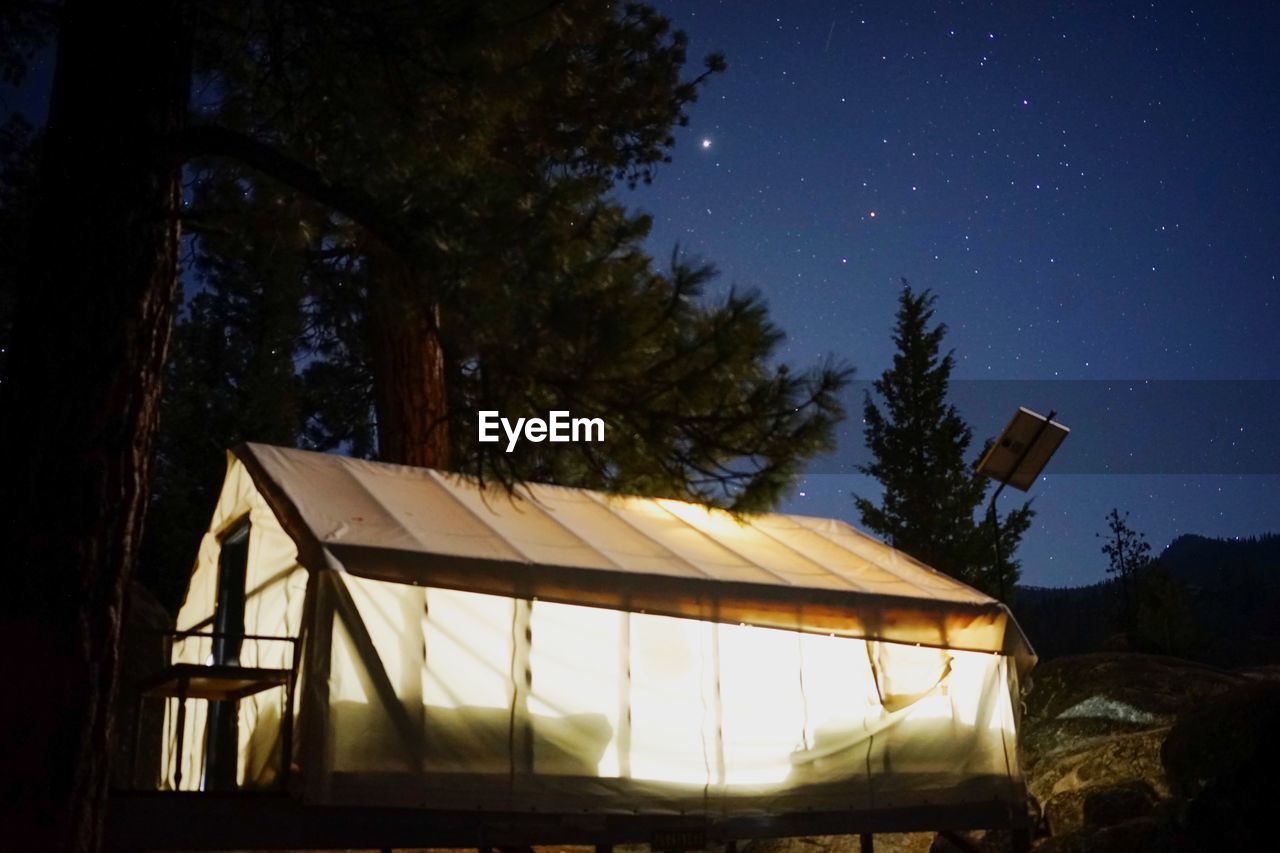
[90, 327]
[1163, 618]
[519, 115]
[920, 455]
[581, 319]
[231, 377]
[521, 286]
[1129, 555]
[122, 96]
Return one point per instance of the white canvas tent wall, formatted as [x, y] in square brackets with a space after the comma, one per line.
[565, 650]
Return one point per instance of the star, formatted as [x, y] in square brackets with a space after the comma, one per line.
[706, 143]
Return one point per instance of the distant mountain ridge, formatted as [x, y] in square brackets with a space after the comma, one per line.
[1198, 559]
[1212, 600]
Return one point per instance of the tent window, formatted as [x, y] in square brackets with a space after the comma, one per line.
[222, 736]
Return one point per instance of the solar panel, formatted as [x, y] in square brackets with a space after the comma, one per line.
[1023, 449]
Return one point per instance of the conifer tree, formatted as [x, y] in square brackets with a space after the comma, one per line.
[920, 455]
[534, 278]
[316, 95]
[529, 282]
[1128, 554]
[519, 115]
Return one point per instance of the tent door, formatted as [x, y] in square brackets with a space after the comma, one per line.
[222, 740]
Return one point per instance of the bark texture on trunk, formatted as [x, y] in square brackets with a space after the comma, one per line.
[92, 327]
[408, 365]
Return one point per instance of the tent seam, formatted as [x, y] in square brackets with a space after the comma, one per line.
[893, 570]
[839, 576]
[664, 546]
[576, 535]
[768, 571]
[435, 477]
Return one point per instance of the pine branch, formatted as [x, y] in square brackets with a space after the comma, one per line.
[205, 140]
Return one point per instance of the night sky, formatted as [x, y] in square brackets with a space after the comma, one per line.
[1090, 189]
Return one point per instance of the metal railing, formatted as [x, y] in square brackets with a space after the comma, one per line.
[176, 680]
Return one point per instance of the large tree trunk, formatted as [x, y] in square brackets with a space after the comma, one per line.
[408, 366]
[92, 327]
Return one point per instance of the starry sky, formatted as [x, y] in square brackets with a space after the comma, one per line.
[1091, 189]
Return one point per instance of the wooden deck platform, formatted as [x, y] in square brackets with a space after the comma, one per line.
[264, 821]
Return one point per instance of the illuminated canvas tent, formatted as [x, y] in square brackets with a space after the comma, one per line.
[570, 651]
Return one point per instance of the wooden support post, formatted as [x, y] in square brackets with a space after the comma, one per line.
[286, 733]
[182, 731]
[865, 843]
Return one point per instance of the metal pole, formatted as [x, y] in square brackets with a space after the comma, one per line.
[991, 508]
[995, 535]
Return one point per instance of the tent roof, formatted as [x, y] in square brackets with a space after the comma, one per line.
[416, 525]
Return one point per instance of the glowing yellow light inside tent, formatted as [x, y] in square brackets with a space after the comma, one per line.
[609, 694]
